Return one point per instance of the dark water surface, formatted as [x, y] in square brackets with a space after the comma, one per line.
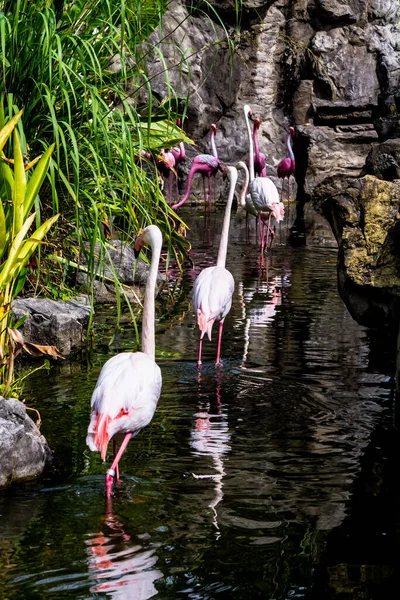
[270, 477]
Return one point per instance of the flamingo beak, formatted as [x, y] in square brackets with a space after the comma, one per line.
[139, 243]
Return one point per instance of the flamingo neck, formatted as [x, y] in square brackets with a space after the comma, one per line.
[242, 198]
[289, 146]
[182, 151]
[213, 146]
[148, 328]
[251, 148]
[223, 244]
[255, 142]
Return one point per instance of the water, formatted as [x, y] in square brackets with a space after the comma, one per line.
[271, 477]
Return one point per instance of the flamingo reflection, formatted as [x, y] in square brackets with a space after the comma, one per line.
[210, 437]
[261, 314]
[120, 566]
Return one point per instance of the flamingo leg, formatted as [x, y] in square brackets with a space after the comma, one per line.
[268, 230]
[215, 187]
[260, 228]
[218, 361]
[111, 471]
[170, 175]
[177, 188]
[204, 190]
[199, 363]
[209, 192]
[115, 454]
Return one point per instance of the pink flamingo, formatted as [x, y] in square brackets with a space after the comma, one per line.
[263, 192]
[129, 385]
[206, 164]
[178, 152]
[165, 165]
[260, 160]
[287, 166]
[214, 287]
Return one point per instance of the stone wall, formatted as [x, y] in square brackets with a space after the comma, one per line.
[331, 67]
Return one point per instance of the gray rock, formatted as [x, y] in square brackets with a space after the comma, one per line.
[23, 450]
[364, 217]
[61, 323]
[118, 262]
[383, 160]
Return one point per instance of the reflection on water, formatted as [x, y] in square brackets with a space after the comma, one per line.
[243, 482]
[121, 568]
[210, 437]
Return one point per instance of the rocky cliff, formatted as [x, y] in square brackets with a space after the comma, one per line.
[330, 67]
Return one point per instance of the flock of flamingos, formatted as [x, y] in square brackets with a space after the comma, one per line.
[129, 385]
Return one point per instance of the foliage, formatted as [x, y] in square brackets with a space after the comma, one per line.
[18, 195]
[75, 68]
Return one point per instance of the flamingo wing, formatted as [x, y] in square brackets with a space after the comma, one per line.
[212, 297]
[263, 193]
[284, 168]
[208, 159]
[124, 399]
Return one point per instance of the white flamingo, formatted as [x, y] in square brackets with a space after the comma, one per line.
[214, 286]
[129, 385]
[263, 191]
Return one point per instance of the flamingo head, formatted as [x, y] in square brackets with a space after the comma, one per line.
[291, 131]
[213, 128]
[150, 235]
[139, 243]
[248, 113]
[257, 122]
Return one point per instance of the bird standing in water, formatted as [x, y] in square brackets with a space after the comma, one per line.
[129, 385]
[214, 287]
[206, 164]
[263, 192]
[287, 166]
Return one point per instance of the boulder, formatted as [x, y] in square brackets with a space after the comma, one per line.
[383, 160]
[118, 262]
[364, 216]
[61, 323]
[23, 450]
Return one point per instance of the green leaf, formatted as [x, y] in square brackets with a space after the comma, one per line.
[36, 180]
[19, 186]
[7, 130]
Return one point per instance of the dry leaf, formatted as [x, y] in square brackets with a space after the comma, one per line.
[38, 350]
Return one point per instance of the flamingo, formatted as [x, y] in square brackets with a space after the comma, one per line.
[263, 192]
[165, 165]
[287, 166]
[208, 166]
[178, 152]
[214, 286]
[260, 160]
[129, 385]
[213, 133]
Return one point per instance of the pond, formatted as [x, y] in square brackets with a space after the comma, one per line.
[269, 477]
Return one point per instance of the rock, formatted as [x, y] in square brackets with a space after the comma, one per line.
[23, 450]
[61, 323]
[119, 262]
[318, 232]
[364, 216]
[329, 66]
[383, 160]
